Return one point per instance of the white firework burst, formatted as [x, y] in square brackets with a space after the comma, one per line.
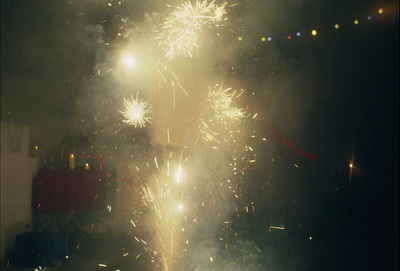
[137, 111]
[219, 113]
[180, 30]
[221, 100]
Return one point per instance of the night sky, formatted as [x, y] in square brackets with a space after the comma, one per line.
[335, 95]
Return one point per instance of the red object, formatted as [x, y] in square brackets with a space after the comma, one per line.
[289, 37]
[65, 190]
[100, 162]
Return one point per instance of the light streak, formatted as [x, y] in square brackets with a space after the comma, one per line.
[179, 174]
[277, 227]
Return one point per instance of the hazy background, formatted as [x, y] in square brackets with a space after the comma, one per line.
[330, 95]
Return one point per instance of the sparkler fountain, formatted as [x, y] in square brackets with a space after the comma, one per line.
[192, 182]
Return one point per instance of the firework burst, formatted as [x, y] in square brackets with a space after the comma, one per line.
[221, 101]
[181, 29]
[219, 110]
[137, 111]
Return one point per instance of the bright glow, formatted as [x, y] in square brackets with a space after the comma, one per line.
[36, 147]
[137, 112]
[129, 61]
[380, 11]
[269, 38]
[351, 165]
[314, 32]
[298, 34]
[263, 39]
[336, 26]
[240, 38]
[178, 174]
[356, 22]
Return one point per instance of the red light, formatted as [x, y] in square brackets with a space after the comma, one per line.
[326, 189]
[289, 37]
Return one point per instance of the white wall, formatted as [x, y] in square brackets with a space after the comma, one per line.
[17, 172]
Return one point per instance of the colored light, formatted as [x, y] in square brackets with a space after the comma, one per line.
[298, 34]
[36, 147]
[240, 38]
[355, 21]
[369, 18]
[269, 38]
[336, 26]
[314, 32]
[351, 165]
[263, 39]
[289, 37]
[380, 11]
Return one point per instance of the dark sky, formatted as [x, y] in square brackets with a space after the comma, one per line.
[330, 95]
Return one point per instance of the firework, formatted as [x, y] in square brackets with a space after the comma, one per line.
[137, 111]
[207, 133]
[179, 32]
[165, 204]
[221, 101]
[219, 110]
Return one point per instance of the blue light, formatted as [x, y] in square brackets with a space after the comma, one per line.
[269, 38]
[369, 18]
